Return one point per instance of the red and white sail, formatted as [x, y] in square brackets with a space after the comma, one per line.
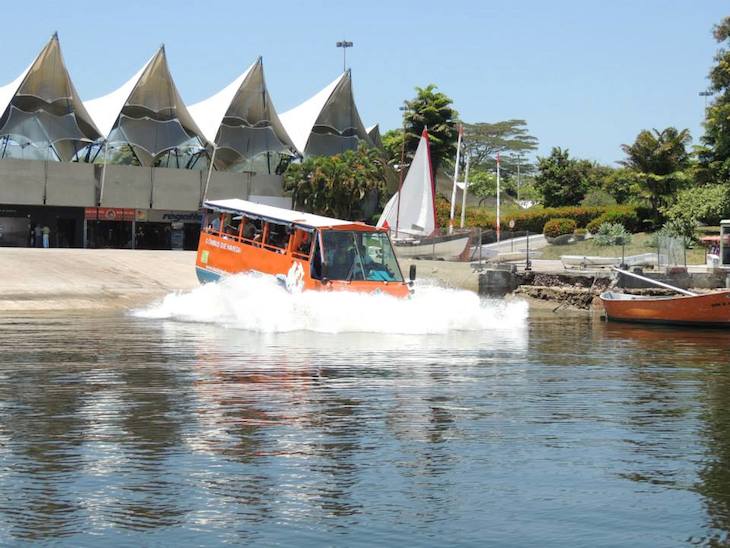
[412, 210]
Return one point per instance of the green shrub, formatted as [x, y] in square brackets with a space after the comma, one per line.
[598, 198]
[593, 226]
[626, 217]
[705, 204]
[557, 227]
[612, 234]
[581, 231]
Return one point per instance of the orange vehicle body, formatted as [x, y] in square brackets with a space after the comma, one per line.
[223, 252]
[709, 309]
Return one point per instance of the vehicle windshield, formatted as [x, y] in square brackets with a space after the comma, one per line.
[359, 256]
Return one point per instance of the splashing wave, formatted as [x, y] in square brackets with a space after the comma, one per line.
[258, 303]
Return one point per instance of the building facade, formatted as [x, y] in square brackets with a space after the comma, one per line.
[131, 169]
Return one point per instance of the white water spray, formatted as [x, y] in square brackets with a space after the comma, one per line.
[259, 303]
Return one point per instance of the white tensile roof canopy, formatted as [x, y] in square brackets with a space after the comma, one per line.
[241, 119]
[147, 113]
[412, 209]
[327, 123]
[42, 108]
[374, 134]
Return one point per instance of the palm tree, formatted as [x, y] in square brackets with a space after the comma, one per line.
[431, 109]
[659, 158]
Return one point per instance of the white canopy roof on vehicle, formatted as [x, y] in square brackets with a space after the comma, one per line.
[42, 105]
[276, 213]
[328, 122]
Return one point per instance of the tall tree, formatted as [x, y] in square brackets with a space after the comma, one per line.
[714, 154]
[340, 186]
[431, 109]
[392, 144]
[562, 180]
[659, 159]
[510, 138]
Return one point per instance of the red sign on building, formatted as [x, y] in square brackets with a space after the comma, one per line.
[109, 214]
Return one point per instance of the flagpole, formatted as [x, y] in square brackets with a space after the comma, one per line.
[456, 178]
[497, 197]
[463, 195]
[403, 109]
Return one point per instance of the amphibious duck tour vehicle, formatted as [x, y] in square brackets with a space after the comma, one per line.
[302, 250]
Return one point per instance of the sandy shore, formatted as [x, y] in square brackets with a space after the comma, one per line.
[103, 279]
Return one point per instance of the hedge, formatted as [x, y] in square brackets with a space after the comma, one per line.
[534, 219]
[557, 227]
[628, 218]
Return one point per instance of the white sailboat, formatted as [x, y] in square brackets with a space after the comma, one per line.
[411, 213]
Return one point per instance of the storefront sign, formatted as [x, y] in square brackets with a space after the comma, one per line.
[109, 214]
[167, 216]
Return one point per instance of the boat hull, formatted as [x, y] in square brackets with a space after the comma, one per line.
[439, 248]
[706, 310]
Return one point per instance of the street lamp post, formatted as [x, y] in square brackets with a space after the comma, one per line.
[344, 44]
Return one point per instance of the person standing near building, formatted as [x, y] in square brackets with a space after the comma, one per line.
[38, 233]
[46, 237]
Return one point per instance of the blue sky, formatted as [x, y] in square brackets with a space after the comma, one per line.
[586, 75]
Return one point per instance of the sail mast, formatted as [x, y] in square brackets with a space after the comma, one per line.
[431, 179]
[456, 178]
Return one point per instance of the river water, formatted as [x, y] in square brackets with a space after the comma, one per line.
[236, 415]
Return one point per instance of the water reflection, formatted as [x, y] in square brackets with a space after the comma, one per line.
[143, 431]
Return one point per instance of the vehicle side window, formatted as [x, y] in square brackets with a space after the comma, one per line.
[302, 243]
[316, 262]
[277, 236]
[232, 225]
[252, 230]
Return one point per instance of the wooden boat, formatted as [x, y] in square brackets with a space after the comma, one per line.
[410, 214]
[303, 251]
[697, 309]
[709, 309]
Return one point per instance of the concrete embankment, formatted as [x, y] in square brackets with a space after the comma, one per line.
[89, 279]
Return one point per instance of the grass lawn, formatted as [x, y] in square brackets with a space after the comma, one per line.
[638, 245]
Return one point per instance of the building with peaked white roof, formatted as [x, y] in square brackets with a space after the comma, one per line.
[42, 116]
[374, 134]
[243, 124]
[147, 121]
[327, 123]
[103, 177]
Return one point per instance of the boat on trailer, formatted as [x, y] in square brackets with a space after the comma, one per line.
[302, 250]
[689, 308]
[410, 214]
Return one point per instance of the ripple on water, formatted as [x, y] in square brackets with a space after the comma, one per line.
[149, 430]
